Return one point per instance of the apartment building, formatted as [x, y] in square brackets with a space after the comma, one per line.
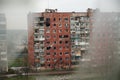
[57, 39]
[81, 26]
[3, 44]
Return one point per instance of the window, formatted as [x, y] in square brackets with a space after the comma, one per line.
[66, 19]
[54, 24]
[54, 36]
[67, 47]
[60, 53]
[60, 48]
[60, 25]
[48, 65]
[66, 25]
[41, 18]
[67, 58]
[47, 37]
[47, 19]
[60, 19]
[65, 36]
[60, 36]
[54, 53]
[60, 31]
[54, 47]
[36, 30]
[54, 31]
[47, 22]
[60, 42]
[54, 19]
[48, 53]
[47, 31]
[48, 42]
[66, 30]
[41, 24]
[48, 48]
[60, 59]
[66, 52]
[54, 42]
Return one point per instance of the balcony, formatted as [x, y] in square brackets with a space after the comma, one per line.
[36, 50]
[39, 39]
[83, 48]
[36, 33]
[36, 27]
[4, 59]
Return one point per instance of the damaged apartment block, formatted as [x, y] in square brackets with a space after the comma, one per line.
[57, 40]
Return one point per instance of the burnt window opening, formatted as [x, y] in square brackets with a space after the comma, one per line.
[47, 22]
[48, 48]
[47, 19]
[66, 36]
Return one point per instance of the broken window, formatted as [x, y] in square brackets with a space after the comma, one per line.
[47, 22]
[48, 48]
[66, 36]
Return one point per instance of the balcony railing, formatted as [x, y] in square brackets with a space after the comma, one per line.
[39, 39]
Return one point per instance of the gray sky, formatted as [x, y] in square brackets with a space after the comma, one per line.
[16, 10]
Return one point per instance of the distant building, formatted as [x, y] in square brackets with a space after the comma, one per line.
[3, 44]
[57, 40]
